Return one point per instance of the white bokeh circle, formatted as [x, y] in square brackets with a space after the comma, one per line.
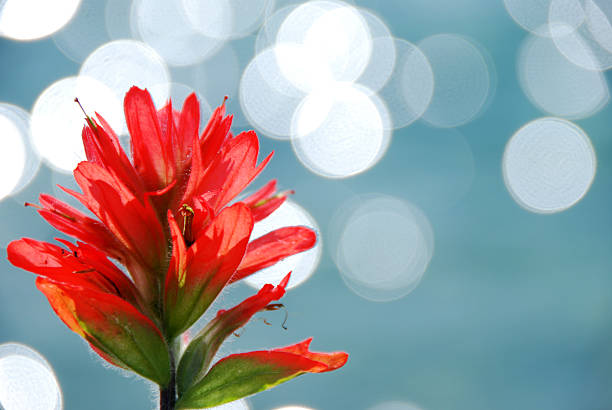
[382, 246]
[27, 381]
[57, 121]
[556, 85]
[549, 165]
[340, 131]
[34, 19]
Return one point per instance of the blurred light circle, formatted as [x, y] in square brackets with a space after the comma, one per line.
[383, 246]
[382, 60]
[226, 19]
[395, 405]
[302, 67]
[12, 155]
[340, 131]
[302, 265]
[558, 86]
[20, 120]
[234, 405]
[84, 33]
[34, 19]
[57, 121]
[325, 41]
[266, 36]
[599, 16]
[268, 99]
[165, 26]
[549, 165]
[27, 381]
[462, 80]
[532, 15]
[122, 64]
[409, 90]
[585, 45]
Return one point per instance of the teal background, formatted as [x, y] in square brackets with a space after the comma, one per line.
[514, 312]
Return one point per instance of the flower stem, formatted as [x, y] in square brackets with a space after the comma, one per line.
[167, 395]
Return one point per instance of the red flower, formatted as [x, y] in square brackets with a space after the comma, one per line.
[165, 217]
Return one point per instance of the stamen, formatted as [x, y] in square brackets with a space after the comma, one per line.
[276, 306]
[187, 213]
[84, 270]
[32, 205]
[87, 117]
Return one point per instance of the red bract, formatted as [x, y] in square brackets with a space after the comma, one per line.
[165, 217]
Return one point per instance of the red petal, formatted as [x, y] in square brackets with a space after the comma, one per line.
[74, 223]
[150, 156]
[325, 362]
[211, 261]
[132, 220]
[239, 315]
[234, 168]
[277, 245]
[262, 193]
[266, 200]
[188, 126]
[103, 148]
[204, 151]
[81, 265]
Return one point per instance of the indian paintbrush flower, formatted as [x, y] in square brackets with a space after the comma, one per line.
[166, 216]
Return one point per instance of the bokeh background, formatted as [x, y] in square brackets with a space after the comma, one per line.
[454, 156]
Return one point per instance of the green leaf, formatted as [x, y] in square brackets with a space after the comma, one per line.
[195, 360]
[241, 375]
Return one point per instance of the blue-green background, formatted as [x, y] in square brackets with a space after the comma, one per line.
[514, 312]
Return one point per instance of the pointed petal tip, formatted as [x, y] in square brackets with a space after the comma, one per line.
[285, 281]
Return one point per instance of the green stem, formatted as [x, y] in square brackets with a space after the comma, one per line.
[167, 395]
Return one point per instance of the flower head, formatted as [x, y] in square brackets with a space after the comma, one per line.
[166, 216]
